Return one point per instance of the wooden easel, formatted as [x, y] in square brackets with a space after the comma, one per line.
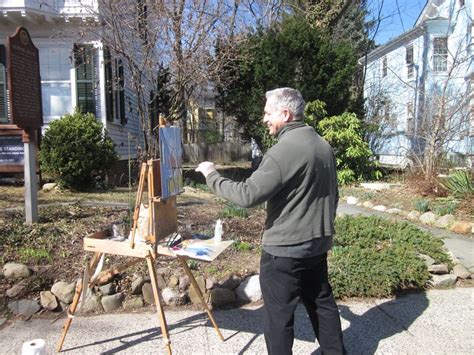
[162, 222]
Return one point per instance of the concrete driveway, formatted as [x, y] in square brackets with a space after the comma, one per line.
[433, 322]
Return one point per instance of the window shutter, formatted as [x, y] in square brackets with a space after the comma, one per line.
[109, 85]
[84, 59]
[121, 88]
[3, 88]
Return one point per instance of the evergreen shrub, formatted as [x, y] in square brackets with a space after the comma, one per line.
[77, 151]
[375, 257]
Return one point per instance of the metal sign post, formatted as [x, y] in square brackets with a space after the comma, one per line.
[31, 185]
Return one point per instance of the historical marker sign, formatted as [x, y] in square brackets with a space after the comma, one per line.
[24, 80]
[11, 150]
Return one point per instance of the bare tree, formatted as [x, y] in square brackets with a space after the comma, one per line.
[179, 35]
[437, 113]
[444, 113]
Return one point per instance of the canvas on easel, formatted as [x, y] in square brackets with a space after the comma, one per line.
[163, 180]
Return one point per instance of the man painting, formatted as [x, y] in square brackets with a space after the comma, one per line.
[297, 178]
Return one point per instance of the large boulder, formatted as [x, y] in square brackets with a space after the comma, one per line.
[414, 216]
[221, 296]
[193, 294]
[16, 271]
[231, 282]
[48, 300]
[91, 304]
[439, 269]
[173, 281]
[446, 280]
[173, 298]
[249, 290]
[351, 200]
[367, 204]
[50, 186]
[107, 289]
[428, 218]
[137, 285]
[147, 292]
[24, 307]
[18, 289]
[445, 221]
[112, 302]
[461, 272]
[132, 303]
[64, 291]
[461, 227]
[183, 282]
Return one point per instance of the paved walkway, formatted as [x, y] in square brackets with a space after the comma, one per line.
[433, 322]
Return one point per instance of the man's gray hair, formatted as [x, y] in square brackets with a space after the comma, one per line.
[287, 98]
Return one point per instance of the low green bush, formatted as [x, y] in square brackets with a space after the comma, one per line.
[33, 255]
[422, 205]
[232, 210]
[197, 185]
[374, 257]
[77, 151]
[459, 183]
[445, 206]
[242, 246]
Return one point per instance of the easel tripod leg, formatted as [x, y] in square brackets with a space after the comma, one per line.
[201, 297]
[158, 303]
[72, 308]
[70, 315]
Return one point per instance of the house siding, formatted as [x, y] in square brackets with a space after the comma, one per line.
[444, 21]
[54, 32]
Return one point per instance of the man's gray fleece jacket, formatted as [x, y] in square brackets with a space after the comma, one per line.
[297, 178]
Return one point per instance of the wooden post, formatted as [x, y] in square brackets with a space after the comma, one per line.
[31, 185]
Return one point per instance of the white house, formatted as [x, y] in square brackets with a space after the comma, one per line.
[418, 87]
[74, 72]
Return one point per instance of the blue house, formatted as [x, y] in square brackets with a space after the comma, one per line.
[417, 89]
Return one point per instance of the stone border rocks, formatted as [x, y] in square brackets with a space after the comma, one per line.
[446, 221]
[231, 292]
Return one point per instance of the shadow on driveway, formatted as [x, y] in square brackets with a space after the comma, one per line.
[364, 327]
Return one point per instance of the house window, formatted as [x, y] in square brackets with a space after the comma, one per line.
[409, 61]
[114, 88]
[55, 69]
[440, 54]
[3, 87]
[384, 67]
[410, 129]
[84, 61]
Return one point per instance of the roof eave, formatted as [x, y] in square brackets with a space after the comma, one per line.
[384, 49]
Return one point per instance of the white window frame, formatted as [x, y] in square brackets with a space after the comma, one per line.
[440, 60]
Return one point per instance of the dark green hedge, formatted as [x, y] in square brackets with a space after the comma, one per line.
[375, 257]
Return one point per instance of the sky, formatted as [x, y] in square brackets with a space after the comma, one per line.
[397, 17]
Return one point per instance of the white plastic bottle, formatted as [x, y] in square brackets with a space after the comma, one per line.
[218, 231]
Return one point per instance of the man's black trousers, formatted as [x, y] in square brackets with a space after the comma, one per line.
[284, 281]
